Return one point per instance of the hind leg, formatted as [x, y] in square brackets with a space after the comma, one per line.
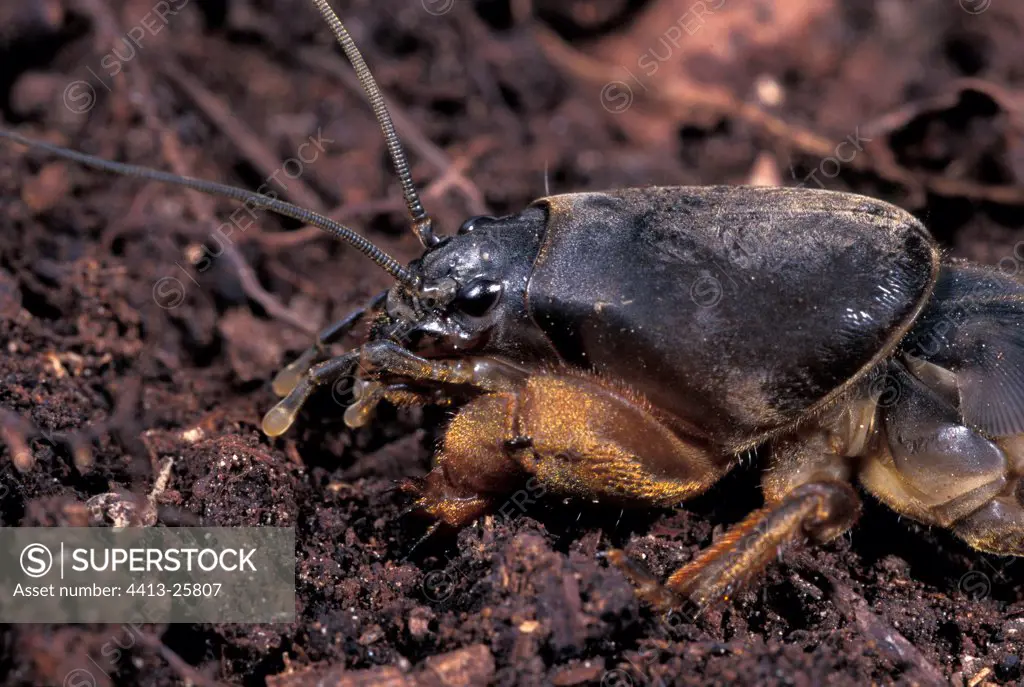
[998, 526]
[939, 472]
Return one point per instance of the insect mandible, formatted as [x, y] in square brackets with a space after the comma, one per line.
[628, 346]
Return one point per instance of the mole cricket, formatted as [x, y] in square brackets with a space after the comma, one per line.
[569, 342]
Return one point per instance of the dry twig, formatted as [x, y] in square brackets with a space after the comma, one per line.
[885, 638]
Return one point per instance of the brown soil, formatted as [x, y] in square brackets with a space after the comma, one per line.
[115, 354]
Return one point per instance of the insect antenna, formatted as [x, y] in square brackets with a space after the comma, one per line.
[422, 224]
[257, 200]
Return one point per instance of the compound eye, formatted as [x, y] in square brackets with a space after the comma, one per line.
[470, 223]
[478, 297]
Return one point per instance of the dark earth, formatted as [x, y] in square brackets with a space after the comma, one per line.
[135, 341]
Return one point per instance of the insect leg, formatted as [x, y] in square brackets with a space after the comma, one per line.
[473, 468]
[998, 525]
[287, 378]
[571, 434]
[818, 512]
[808, 499]
[936, 469]
[931, 466]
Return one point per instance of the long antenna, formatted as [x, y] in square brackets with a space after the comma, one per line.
[422, 223]
[385, 261]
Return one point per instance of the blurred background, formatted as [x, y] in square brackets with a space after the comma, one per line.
[138, 333]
